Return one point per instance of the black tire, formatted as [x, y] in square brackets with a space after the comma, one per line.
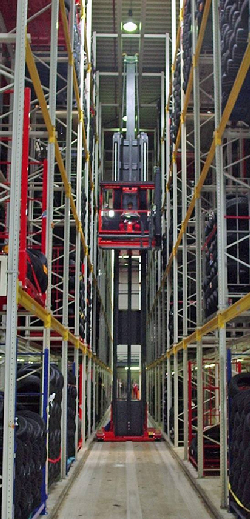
[239, 383]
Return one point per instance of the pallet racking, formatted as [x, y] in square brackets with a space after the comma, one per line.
[56, 223]
[206, 165]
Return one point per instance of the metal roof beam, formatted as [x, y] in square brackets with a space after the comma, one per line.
[115, 35]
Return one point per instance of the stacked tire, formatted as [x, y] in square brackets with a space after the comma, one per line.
[55, 413]
[239, 448]
[30, 461]
[71, 414]
[82, 310]
[187, 43]
[30, 442]
[176, 113]
[210, 285]
[238, 280]
[77, 51]
[200, 4]
[234, 38]
[29, 398]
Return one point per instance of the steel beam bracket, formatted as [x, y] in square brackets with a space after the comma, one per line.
[221, 321]
[196, 193]
[52, 137]
[68, 190]
[47, 321]
[217, 138]
[185, 344]
[65, 334]
[198, 334]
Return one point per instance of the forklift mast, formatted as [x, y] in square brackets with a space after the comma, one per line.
[130, 205]
[130, 221]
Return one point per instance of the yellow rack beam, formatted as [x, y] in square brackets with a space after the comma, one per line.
[75, 82]
[245, 64]
[196, 57]
[32, 306]
[52, 137]
[219, 321]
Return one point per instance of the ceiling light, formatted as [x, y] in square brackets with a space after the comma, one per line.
[130, 26]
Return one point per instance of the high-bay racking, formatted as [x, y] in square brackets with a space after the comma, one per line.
[205, 278]
[53, 65]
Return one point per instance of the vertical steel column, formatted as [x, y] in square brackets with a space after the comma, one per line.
[89, 394]
[66, 251]
[221, 243]
[78, 233]
[156, 390]
[14, 223]
[175, 259]
[79, 166]
[196, 94]
[175, 302]
[163, 188]
[76, 361]
[97, 393]
[83, 424]
[87, 164]
[111, 310]
[95, 219]
[159, 393]
[184, 249]
[129, 310]
[168, 226]
[143, 357]
[176, 401]
[96, 183]
[163, 367]
[216, 396]
[115, 333]
[150, 391]
[94, 391]
[50, 187]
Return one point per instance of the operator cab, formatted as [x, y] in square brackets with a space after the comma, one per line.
[127, 215]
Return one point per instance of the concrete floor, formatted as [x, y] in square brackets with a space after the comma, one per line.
[132, 481]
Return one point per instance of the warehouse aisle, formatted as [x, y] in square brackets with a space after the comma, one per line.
[132, 481]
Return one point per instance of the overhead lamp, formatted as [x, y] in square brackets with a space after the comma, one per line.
[130, 26]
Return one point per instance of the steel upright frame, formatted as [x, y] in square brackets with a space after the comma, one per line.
[205, 332]
[16, 293]
[13, 257]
